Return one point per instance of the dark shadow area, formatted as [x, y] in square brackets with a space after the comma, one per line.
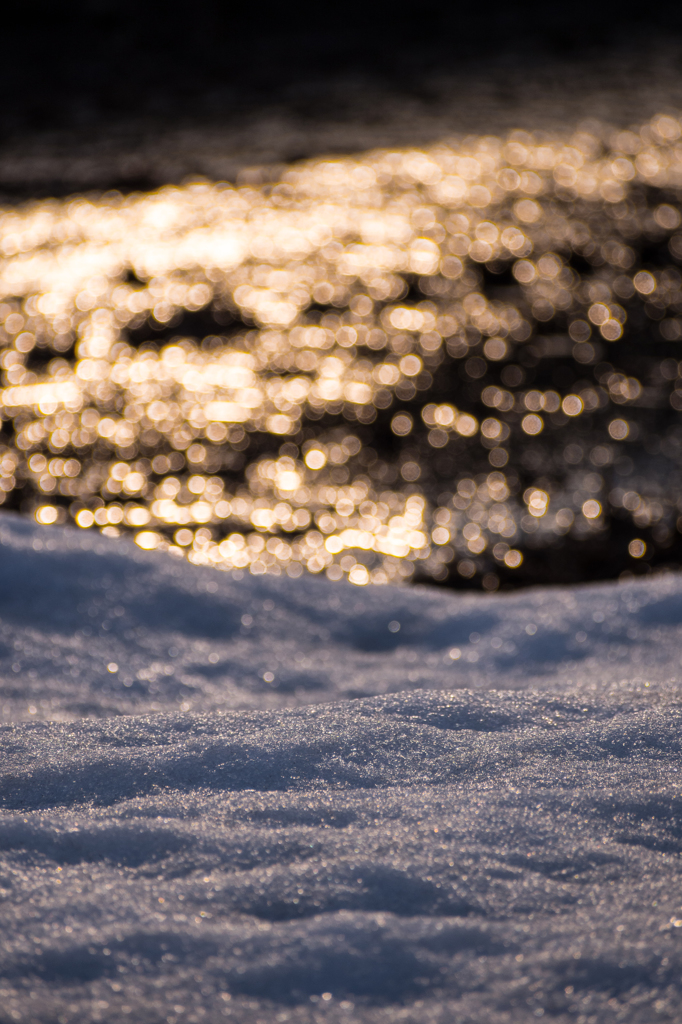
[603, 975]
[74, 964]
[128, 846]
[88, 83]
[384, 972]
[89, 58]
[382, 889]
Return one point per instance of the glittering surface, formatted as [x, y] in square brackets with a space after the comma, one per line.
[93, 627]
[424, 360]
[418, 856]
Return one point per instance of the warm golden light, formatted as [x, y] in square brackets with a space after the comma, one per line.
[619, 429]
[591, 509]
[637, 548]
[338, 295]
[46, 515]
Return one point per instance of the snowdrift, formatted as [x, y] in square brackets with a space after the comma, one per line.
[490, 830]
[90, 626]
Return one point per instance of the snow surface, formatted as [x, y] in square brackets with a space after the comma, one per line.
[493, 838]
[190, 638]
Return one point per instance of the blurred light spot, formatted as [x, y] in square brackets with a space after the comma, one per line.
[532, 424]
[401, 425]
[315, 459]
[619, 429]
[85, 518]
[572, 405]
[667, 217]
[637, 548]
[495, 349]
[644, 282]
[148, 540]
[359, 575]
[538, 502]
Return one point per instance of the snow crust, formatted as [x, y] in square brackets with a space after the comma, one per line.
[468, 840]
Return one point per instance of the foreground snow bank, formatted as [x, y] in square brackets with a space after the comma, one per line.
[422, 857]
[473, 851]
[91, 627]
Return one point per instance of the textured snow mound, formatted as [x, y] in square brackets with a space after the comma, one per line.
[91, 626]
[498, 842]
[421, 857]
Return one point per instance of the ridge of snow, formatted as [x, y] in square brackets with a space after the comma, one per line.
[189, 638]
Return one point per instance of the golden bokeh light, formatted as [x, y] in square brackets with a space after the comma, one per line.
[637, 548]
[323, 304]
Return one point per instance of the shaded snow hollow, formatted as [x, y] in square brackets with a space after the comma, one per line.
[492, 837]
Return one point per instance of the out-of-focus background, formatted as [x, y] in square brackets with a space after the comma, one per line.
[412, 312]
[109, 93]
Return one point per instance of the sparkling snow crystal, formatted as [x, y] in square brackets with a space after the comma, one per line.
[260, 801]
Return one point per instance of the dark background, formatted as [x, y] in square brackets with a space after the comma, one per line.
[83, 62]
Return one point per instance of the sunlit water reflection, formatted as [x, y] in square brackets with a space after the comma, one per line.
[439, 362]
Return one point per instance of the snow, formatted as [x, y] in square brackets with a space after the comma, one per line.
[185, 638]
[492, 837]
